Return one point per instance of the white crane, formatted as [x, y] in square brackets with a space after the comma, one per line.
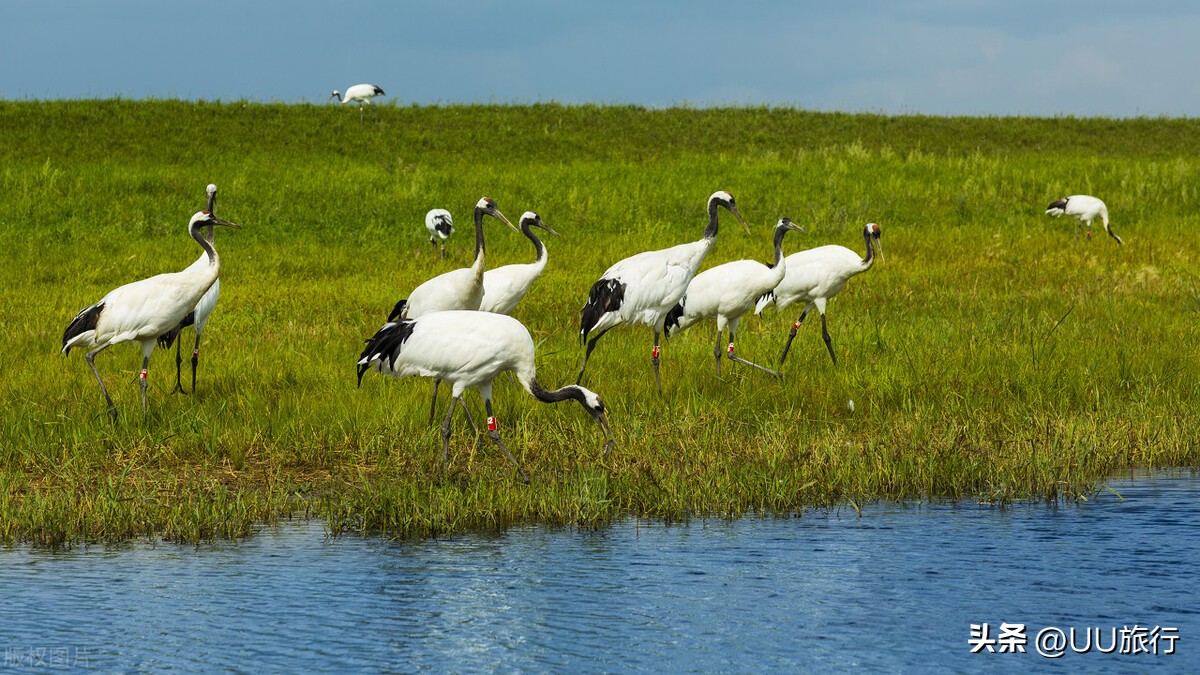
[198, 317]
[143, 310]
[504, 287]
[469, 349]
[642, 288]
[726, 292]
[816, 275]
[360, 94]
[440, 225]
[456, 289]
[1084, 209]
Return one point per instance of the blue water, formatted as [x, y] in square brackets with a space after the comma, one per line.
[895, 590]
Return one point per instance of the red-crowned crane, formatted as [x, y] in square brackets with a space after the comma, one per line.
[726, 292]
[469, 349]
[504, 287]
[143, 310]
[360, 94]
[456, 289]
[198, 317]
[1084, 209]
[642, 288]
[440, 225]
[816, 275]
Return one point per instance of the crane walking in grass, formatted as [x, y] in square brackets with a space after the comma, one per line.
[816, 275]
[360, 94]
[642, 288]
[504, 287]
[198, 317]
[143, 310]
[440, 226]
[726, 292]
[457, 289]
[469, 349]
[1084, 209]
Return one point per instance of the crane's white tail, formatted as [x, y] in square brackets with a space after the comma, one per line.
[83, 323]
[764, 301]
[385, 345]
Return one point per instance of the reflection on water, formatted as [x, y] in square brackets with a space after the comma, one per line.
[895, 589]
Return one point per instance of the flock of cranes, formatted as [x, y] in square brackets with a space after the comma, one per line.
[455, 326]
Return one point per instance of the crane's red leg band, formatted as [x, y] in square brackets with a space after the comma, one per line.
[491, 424]
[796, 325]
[731, 348]
[654, 353]
[143, 374]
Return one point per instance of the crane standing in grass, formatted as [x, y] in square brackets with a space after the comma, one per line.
[440, 225]
[360, 94]
[642, 288]
[198, 317]
[726, 292]
[1084, 209]
[143, 310]
[504, 287]
[469, 349]
[816, 275]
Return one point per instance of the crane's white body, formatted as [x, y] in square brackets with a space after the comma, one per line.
[359, 93]
[504, 287]
[1085, 209]
[469, 349]
[440, 225]
[813, 277]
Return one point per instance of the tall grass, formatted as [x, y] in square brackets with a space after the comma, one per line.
[992, 356]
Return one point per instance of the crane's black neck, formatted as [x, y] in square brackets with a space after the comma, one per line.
[538, 247]
[479, 250]
[869, 258]
[571, 391]
[204, 243]
[212, 204]
[710, 232]
[780, 230]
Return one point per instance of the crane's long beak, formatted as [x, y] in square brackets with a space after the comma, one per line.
[505, 220]
[609, 443]
[225, 223]
[547, 228]
[734, 211]
[879, 247]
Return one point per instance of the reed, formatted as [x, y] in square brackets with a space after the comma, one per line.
[991, 357]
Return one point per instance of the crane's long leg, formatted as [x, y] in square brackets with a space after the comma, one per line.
[495, 436]
[195, 360]
[737, 359]
[433, 401]
[717, 353]
[825, 335]
[590, 346]
[142, 379]
[654, 360]
[90, 357]
[446, 433]
[792, 336]
[178, 367]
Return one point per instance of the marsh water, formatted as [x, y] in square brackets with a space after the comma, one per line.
[899, 588]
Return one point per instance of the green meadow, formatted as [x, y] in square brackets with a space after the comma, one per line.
[992, 356]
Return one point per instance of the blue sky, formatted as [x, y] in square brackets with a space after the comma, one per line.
[969, 57]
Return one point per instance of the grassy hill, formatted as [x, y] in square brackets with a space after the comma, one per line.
[992, 355]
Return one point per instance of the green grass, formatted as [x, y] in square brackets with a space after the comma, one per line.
[990, 357]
